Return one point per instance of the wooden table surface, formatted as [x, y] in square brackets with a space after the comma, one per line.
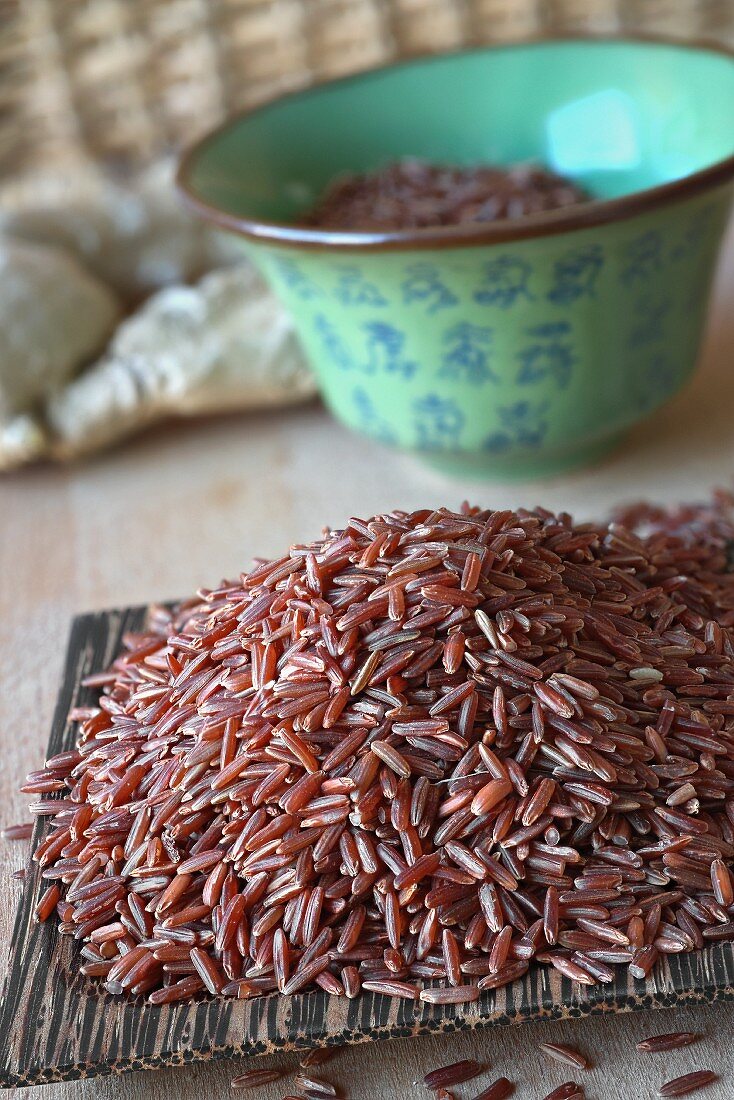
[180, 508]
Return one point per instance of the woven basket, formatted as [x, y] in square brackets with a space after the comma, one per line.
[125, 80]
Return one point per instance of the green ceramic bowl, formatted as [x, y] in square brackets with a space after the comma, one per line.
[520, 347]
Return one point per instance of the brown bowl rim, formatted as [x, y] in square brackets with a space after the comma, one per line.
[547, 223]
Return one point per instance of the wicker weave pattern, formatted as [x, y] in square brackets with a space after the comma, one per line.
[127, 79]
[13, 77]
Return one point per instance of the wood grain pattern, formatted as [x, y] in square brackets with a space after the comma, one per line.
[56, 1025]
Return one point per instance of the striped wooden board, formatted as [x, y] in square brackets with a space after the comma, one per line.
[56, 1025]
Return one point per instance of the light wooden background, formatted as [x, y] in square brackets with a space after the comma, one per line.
[174, 510]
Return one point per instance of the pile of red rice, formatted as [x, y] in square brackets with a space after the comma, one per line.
[414, 194]
[433, 745]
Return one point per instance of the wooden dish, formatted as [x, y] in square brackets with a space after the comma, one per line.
[57, 1025]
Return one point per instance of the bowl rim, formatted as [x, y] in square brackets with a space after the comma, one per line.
[546, 223]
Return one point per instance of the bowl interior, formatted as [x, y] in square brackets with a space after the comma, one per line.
[616, 116]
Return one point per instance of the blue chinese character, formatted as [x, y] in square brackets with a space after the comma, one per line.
[385, 348]
[643, 257]
[523, 424]
[371, 422]
[467, 353]
[438, 422]
[575, 274]
[550, 356]
[332, 342]
[295, 279]
[649, 313]
[354, 290]
[424, 285]
[505, 280]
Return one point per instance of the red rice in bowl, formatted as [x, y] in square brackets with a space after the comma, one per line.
[433, 745]
[416, 194]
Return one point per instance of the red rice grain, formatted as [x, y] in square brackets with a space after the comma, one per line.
[448, 995]
[689, 1082]
[453, 1074]
[670, 1041]
[47, 903]
[565, 1054]
[253, 1078]
[314, 1087]
[17, 832]
[722, 882]
[316, 1057]
[392, 989]
[567, 1091]
[429, 748]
